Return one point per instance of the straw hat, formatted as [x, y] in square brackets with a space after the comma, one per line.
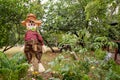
[31, 17]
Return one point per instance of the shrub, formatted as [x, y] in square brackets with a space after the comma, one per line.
[68, 69]
[12, 69]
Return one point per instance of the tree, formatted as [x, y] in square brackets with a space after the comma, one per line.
[72, 16]
[13, 12]
[100, 15]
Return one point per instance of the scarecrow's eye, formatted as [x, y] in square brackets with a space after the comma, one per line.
[31, 21]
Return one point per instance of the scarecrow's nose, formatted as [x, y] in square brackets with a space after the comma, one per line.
[31, 24]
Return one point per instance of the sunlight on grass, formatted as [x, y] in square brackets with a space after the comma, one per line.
[13, 50]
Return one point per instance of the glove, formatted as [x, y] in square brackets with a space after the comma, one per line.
[44, 49]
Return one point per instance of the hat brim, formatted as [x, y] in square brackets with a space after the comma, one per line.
[38, 22]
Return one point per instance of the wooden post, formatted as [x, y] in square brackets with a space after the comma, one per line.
[116, 52]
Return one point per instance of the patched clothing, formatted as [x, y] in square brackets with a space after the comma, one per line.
[33, 45]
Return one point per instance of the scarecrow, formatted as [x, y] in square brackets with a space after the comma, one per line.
[33, 41]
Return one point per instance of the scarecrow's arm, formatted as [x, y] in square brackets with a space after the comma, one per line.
[40, 39]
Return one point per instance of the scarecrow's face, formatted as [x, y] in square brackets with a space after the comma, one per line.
[31, 25]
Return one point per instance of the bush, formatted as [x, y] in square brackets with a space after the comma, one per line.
[87, 68]
[68, 69]
[12, 69]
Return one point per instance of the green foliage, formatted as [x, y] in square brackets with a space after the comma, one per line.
[87, 68]
[54, 39]
[111, 70]
[68, 39]
[72, 16]
[96, 8]
[64, 16]
[101, 42]
[18, 58]
[88, 19]
[12, 69]
[99, 54]
[67, 69]
[84, 37]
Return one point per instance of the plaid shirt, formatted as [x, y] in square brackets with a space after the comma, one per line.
[33, 35]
